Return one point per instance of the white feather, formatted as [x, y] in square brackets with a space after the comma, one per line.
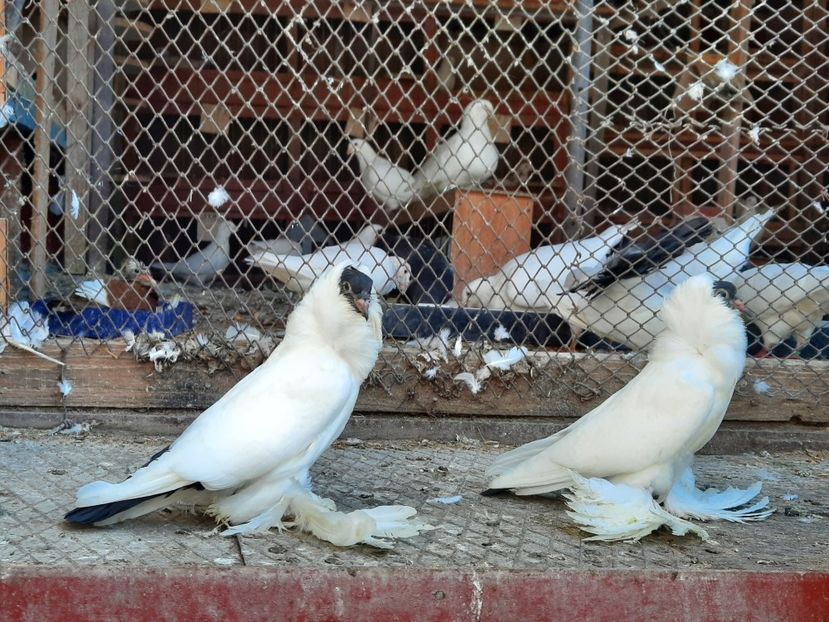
[685, 500]
[618, 512]
[785, 300]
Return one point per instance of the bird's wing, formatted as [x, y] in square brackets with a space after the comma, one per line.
[282, 415]
[642, 258]
[648, 422]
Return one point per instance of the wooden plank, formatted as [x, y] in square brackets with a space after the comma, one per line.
[103, 135]
[44, 117]
[78, 119]
[259, 94]
[11, 200]
[561, 386]
[812, 80]
[488, 229]
[2, 56]
[5, 293]
[731, 125]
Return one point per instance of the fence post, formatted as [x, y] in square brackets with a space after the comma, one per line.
[44, 118]
[579, 110]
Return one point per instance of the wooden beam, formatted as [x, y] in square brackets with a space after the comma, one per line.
[561, 386]
[78, 119]
[103, 107]
[5, 293]
[731, 126]
[44, 118]
[11, 200]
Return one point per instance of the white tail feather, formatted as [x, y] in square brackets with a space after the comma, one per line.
[94, 291]
[619, 512]
[143, 483]
[686, 500]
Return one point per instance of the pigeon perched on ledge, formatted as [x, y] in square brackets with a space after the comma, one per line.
[246, 459]
[639, 444]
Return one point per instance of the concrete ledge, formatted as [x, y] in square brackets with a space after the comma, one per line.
[409, 594]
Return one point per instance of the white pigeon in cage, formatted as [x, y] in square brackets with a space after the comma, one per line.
[626, 311]
[783, 300]
[640, 443]
[467, 158]
[246, 459]
[208, 262]
[298, 273]
[390, 185]
[535, 280]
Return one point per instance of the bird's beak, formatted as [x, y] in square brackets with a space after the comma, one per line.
[747, 314]
[146, 279]
[362, 304]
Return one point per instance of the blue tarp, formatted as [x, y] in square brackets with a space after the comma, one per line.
[103, 323]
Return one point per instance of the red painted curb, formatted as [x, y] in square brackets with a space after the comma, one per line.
[250, 594]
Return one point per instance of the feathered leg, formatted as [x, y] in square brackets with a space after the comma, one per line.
[619, 512]
[369, 526]
[684, 499]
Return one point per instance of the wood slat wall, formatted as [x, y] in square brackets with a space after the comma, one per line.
[105, 377]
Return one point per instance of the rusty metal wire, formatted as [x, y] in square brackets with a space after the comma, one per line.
[215, 142]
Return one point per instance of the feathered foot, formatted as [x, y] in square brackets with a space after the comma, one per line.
[369, 526]
[685, 500]
[271, 517]
[619, 512]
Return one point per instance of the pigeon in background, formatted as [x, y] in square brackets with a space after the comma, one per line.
[782, 300]
[298, 273]
[465, 159]
[133, 290]
[246, 459]
[432, 276]
[633, 258]
[205, 264]
[640, 443]
[626, 312]
[390, 185]
[535, 280]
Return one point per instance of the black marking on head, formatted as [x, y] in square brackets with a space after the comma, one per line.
[355, 285]
[725, 290]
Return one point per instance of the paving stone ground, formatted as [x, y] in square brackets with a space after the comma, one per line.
[39, 473]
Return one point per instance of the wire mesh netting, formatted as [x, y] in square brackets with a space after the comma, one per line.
[524, 181]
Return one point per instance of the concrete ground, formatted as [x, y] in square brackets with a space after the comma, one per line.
[40, 472]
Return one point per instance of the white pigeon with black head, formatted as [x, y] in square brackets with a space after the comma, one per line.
[640, 443]
[246, 459]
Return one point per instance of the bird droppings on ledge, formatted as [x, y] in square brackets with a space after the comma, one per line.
[502, 532]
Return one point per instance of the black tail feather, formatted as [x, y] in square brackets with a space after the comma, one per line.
[494, 492]
[96, 513]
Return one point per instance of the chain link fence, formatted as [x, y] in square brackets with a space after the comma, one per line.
[176, 173]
